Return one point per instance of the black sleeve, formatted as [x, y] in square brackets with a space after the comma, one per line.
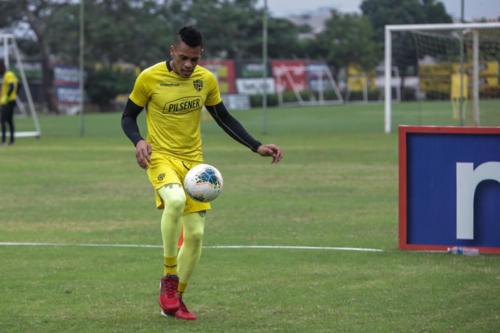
[129, 121]
[11, 89]
[232, 126]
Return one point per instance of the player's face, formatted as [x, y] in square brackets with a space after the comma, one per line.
[184, 58]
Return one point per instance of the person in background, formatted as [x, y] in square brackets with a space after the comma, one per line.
[8, 96]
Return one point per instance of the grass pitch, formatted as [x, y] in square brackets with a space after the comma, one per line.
[337, 186]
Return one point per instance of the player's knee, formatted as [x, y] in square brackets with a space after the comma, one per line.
[173, 196]
[176, 202]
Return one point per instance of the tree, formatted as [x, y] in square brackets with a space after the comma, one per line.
[435, 12]
[140, 32]
[233, 29]
[115, 31]
[348, 38]
[283, 39]
[384, 12]
[230, 27]
[38, 15]
[129, 31]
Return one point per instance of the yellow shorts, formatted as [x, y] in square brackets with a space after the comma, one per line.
[165, 170]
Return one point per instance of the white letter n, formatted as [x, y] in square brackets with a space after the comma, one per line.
[467, 181]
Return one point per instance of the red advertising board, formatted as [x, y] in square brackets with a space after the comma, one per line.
[290, 75]
[224, 70]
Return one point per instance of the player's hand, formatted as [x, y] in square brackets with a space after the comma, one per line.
[271, 150]
[143, 153]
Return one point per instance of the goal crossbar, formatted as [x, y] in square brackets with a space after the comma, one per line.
[442, 26]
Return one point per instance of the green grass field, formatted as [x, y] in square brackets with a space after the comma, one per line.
[336, 187]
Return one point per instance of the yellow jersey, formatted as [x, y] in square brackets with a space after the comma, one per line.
[456, 85]
[173, 108]
[8, 78]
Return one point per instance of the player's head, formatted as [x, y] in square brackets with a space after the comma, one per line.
[186, 51]
[2, 67]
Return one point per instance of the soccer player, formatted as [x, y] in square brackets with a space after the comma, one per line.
[8, 97]
[173, 92]
[458, 93]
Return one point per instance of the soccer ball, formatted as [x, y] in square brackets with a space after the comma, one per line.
[203, 183]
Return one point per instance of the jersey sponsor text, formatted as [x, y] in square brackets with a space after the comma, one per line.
[183, 105]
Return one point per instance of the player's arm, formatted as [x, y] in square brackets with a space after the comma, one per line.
[235, 130]
[10, 89]
[131, 129]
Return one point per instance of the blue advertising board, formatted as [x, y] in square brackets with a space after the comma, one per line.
[449, 183]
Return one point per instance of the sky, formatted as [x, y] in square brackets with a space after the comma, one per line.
[473, 8]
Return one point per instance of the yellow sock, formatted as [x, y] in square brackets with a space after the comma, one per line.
[169, 265]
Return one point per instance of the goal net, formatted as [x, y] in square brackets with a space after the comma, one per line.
[30, 125]
[449, 71]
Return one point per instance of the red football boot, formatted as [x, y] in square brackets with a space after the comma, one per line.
[183, 312]
[169, 298]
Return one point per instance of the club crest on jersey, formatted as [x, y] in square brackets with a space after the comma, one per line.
[198, 85]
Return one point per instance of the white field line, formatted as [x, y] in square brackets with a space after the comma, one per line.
[291, 247]
[263, 247]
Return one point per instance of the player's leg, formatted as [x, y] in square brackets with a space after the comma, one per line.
[3, 122]
[163, 175]
[455, 108]
[189, 255]
[10, 119]
[193, 222]
[190, 252]
[174, 200]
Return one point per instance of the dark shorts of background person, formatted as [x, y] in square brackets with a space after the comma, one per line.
[7, 118]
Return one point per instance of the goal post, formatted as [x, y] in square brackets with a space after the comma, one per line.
[11, 52]
[461, 35]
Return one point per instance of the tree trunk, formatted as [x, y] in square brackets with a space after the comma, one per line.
[48, 80]
[47, 69]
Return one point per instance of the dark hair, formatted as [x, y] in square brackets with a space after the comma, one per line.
[190, 36]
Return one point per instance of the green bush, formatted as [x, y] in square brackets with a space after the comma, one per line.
[256, 100]
[373, 95]
[490, 92]
[104, 84]
[408, 94]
